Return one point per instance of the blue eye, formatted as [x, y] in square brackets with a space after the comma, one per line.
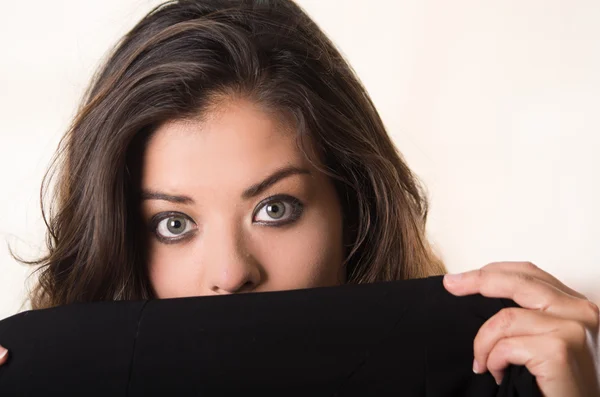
[278, 210]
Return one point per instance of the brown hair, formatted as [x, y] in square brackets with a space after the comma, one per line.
[170, 66]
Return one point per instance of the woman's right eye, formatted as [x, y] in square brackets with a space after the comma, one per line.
[173, 227]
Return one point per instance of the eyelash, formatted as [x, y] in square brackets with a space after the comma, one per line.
[297, 210]
[158, 218]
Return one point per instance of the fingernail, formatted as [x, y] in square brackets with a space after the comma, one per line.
[452, 278]
[3, 352]
[476, 367]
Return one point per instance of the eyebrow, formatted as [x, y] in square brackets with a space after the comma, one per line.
[272, 179]
[152, 195]
[250, 192]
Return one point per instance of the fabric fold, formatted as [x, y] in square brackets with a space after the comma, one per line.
[409, 338]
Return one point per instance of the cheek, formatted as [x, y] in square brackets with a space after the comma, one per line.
[171, 270]
[308, 255]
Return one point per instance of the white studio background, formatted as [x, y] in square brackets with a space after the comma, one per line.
[495, 105]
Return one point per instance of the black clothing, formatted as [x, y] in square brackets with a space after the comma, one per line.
[405, 338]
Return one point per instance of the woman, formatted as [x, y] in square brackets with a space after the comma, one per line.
[227, 147]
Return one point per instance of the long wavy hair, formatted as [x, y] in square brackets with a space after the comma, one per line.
[172, 65]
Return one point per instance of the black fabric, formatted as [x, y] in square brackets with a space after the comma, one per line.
[406, 338]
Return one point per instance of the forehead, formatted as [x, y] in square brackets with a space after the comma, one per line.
[234, 144]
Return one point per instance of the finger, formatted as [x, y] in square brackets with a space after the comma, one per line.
[547, 357]
[527, 291]
[510, 322]
[3, 355]
[533, 270]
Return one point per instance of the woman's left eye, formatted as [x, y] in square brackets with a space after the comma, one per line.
[278, 210]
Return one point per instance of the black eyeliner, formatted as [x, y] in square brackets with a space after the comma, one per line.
[156, 219]
[297, 210]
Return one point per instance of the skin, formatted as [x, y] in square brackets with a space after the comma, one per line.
[234, 243]
[229, 250]
[555, 333]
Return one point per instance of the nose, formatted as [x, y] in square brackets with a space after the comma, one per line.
[230, 266]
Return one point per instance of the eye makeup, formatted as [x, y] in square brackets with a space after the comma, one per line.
[274, 211]
[290, 207]
[157, 227]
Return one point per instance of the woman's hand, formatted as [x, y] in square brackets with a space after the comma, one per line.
[3, 355]
[555, 333]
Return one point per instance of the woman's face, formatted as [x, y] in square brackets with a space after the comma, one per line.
[232, 205]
